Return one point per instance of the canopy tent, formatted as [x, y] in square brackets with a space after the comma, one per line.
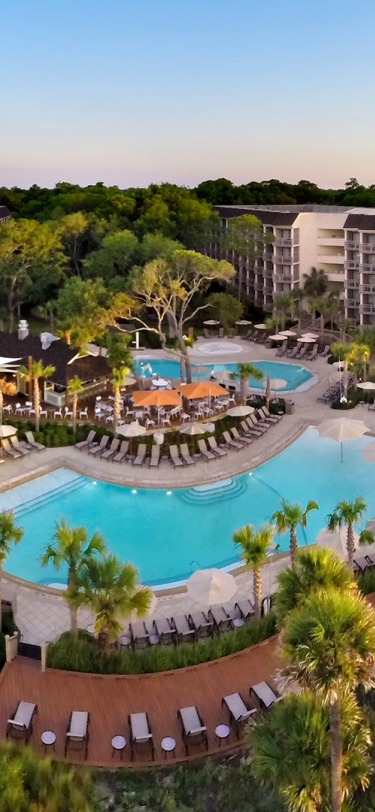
[204, 389]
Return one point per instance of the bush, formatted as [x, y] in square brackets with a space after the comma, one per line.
[56, 435]
[354, 397]
[84, 654]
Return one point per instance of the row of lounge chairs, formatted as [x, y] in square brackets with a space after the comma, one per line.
[19, 448]
[333, 392]
[193, 729]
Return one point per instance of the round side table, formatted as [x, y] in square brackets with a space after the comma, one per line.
[153, 639]
[168, 745]
[124, 641]
[118, 745]
[222, 732]
[48, 739]
[237, 622]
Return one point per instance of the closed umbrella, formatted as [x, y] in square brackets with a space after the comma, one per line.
[336, 540]
[240, 411]
[341, 429]
[7, 431]
[211, 586]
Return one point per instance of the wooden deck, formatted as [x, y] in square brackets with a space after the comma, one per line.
[110, 699]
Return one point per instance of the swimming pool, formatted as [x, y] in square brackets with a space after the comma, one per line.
[294, 375]
[169, 534]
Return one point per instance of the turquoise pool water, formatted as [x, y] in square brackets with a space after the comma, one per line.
[294, 375]
[169, 534]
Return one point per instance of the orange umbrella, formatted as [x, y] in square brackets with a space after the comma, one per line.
[167, 397]
[191, 391]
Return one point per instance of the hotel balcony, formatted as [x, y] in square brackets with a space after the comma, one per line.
[351, 283]
[283, 277]
[368, 247]
[283, 242]
[367, 268]
[367, 308]
[350, 245]
[352, 302]
[367, 288]
[352, 264]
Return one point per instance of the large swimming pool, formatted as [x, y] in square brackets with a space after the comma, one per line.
[294, 375]
[169, 534]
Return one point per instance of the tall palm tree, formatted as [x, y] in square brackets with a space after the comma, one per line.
[72, 546]
[329, 642]
[75, 387]
[348, 514]
[290, 750]
[316, 283]
[118, 381]
[289, 518]
[6, 388]
[254, 546]
[244, 372]
[112, 591]
[9, 534]
[120, 360]
[283, 304]
[36, 372]
[317, 568]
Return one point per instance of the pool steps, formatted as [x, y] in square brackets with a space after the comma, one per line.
[214, 492]
[50, 495]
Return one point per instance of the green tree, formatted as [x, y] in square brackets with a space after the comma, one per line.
[226, 309]
[9, 534]
[111, 590]
[80, 308]
[36, 372]
[120, 360]
[75, 388]
[156, 246]
[289, 518]
[349, 514]
[283, 304]
[71, 546]
[79, 232]
[329, 642]
[255, 544]
[316, 283]
[6, 388]
[243, 373]
[246, 237]
[114, 257]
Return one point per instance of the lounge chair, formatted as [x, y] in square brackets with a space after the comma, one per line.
[314, 353]
[33, 443]
[111, 450]
[140, 733]
[282, 349]
[10, 451]
[269, 416]
[264, 694]
[222, 621]
[326, 351]
[203, 449]
[185, 632]
[139, 633]
[20, 723]
[19, 446]
[254, 422]
[123, 451]
[164, 630]
[155, 456]
[239, 711]
[232, 443]
[245, 608]
[236, 436]
[85, 443]
[215, 448]
[202, 623]
[294, 352]
[221, 332]
[141, 454]
[175, 457]
[206, 333]
[302, 351]
[98, 449]
[246, 430]
[194, 730]
[77, 732]
[184, 451]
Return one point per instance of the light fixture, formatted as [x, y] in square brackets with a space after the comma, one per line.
[134, 491]
[169, 493]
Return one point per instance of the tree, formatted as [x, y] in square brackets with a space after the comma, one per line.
[254, 547]
[329, 642]
[75, 388]
[283, 304]
[80, 307]
[120, 360]
[114, 257]
[226, 308]
[348, 514]
[6, 388]
[316, 283]
[78, 233]
[36, 372]
[71, 546]
[245, 235]
[289, 518]
[244, 372]
[9, 534]
[111, 590]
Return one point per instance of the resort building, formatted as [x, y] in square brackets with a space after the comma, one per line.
[5, 214]
[339, 240]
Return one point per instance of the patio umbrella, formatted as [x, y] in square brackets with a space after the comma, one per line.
[211, 586]
[310, 335]
[306, 340]
[192, 429]
[211, 322]
[243, 323]
[290, 333]
[366, 385]
[335, 540]
[240, 411]
[342, 429]
[369, 452]
[7, 431]
[277, 337]
[131, 430]
[260, 326]
[203, 389]
[167, 397]
[129, 380]
[210, 427]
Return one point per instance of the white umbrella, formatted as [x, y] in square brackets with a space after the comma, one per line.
[366, 385]
[222, 374]
[277, 383]
[288, 332]
[341, 429]
[260, 326]
[243, 322]
[211, 586]
[211, 322]
[369, 452]
[131, 430]
[310, 335]
[129, 380]
[191, 429]
[336, 540]
[7, 431]
[240, 411]
[306, 340]
[277, 337]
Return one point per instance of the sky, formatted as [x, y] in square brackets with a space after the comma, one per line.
[131, 92]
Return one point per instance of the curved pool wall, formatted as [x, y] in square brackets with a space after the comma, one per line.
[294, 375]
[168, 534]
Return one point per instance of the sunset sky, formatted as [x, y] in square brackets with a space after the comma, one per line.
[130, 92]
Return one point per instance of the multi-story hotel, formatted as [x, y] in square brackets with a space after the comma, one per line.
[336, 239]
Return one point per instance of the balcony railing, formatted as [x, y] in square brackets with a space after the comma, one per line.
[367, 267]
[367, 308]
[283, 242]
[351, 245]
[368, 247]
[351, 283]
[268, 256]
[283, 277]
[283, 260]
[352, 264]
[367, 288]
[351, 302]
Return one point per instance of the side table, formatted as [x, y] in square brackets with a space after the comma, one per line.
[168, 745]
[118, 745]
[48, 739]
[222, 732]
[238, 621]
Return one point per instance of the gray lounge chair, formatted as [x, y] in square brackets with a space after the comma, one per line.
[164, 630]
[111, 450]
[98, 449]
[245, 608]
[302, 351]
[141, 454]
[203, 449]
[19, 446]
[269, 416]
[202, 623]
[232, 443]
[236, 436]
[314, 353]
[123, 451]
[264, 694]
[175, 457]
[86, 443]
[77, 732]
[254, 422]
[326, 351]
[239, 711]
[222, 621]
[155, 456]
[33, 443]
[20, 723]
[184, 451]
[140, 733]
[216, 448]
[294, 352]
[139, 633]
[246, 430]
[10, 451]
[185, 632]
[282, 350]
[194, 730]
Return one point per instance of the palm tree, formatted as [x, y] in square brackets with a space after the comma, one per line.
[118, 381]
[6, 388]
[111, 590]
[254, 545]
[244, 372]
[330, 643]
[72, 547]
[37, 371]
[283, 304]
[289, 518]
[75, 387]
[121, 362]
[318, 568]
[291, 751]
[9, 534]
[348, 514]
[316, 283]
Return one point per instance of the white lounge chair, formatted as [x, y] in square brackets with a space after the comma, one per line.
[194, 730]
[239, 711]
[20, 723]
[155, 456]
[98, 449]
[140, 733]
[123, 451]
[77, 732]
